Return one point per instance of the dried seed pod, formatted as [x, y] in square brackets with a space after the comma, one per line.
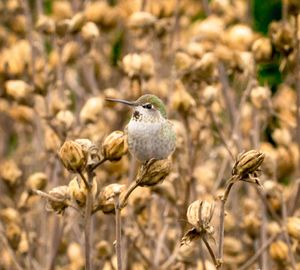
[293, 227]
[279, 251]
[60, 196]
[199, 214]
[61, 10]
[210, 28]
[10, 215]
[90, 32]
[64, 120]
[131, 64]
[259, 96]
[282, 36]
[115, 146]
[45, 25]
[239, 37]
[73, 157]
[103, 250]
[77, 21]
[209, 94]
[74, 253]
[70, 52]
[248, 163]
[273, 228]
[153, 172]
[206, 66]
[141, 19]
[181, 100]
[262, 49]
[147, 67]
[62, 27]
[273, 194]
[282, 136]
[23, 246]
[91, 149]
[10, 173]
[232, 246]
[51, 140]
[36, 181]
[91, 110]
[18, 89]
[106, 198]
[78, 191]
[183, 62]
[251, 224]
[13, 234]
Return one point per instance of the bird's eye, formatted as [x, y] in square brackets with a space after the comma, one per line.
[148, 106]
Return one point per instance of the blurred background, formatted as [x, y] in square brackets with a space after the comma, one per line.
[228, 72]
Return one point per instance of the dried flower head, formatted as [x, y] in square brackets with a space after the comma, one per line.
[106, 197]
[279, 251]
[259, 96]
[248, 163]
[199, 214]
[293, 227]
[115, 146]
[10, 173]
[18, 89]
[37, 180]
[262, 49]
[153, 172]
[141, 19]
[78, 190]
[58, 203]
[73, 156]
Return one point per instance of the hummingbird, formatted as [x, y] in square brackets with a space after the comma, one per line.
[150, 134]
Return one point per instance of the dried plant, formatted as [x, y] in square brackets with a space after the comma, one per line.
[216, 188]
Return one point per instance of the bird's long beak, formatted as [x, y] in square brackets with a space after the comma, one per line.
[129, 103]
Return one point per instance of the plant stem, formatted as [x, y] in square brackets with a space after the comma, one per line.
[88, 221]
[131, 188]
[222, 217]
[118, 230]
[211, 252]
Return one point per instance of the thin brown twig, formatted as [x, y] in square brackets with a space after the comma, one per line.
[285, 234]
[118, 230]
[211, 252]
[131, 188]
[222, 219]
[221, 136]
[88, 222]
